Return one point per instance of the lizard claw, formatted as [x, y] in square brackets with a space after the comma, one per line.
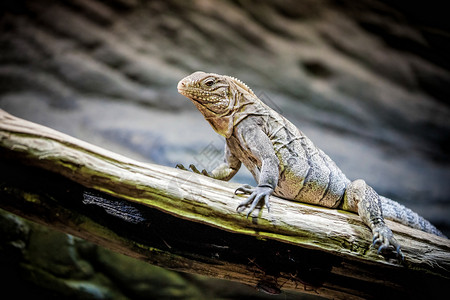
[256, 195]
[181, 167]
[203, 172]
[383, 238]
[245, 189]
[194, 169]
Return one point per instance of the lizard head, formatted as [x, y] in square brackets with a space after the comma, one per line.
[206, 90]
[218, 97]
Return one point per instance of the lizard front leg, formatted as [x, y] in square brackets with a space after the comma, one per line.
[361, 198]
[259, 147]
[224, 171]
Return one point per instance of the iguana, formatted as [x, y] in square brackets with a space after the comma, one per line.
[284, 161]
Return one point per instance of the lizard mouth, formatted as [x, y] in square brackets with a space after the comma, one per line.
[201, 97]
[185, 91]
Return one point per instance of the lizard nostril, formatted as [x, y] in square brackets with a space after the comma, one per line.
[181, 85]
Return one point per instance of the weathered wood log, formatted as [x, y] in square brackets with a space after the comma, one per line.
[187, 222]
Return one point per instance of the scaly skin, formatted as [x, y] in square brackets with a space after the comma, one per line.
[283, 160]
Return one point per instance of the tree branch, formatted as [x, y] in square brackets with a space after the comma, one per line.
[187, 222]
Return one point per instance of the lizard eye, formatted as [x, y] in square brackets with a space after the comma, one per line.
[209, 82]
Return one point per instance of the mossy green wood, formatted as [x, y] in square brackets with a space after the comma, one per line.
[83, 226]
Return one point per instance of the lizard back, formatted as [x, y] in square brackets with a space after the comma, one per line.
[306, 173]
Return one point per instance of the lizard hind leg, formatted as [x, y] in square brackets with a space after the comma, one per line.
[363, 199]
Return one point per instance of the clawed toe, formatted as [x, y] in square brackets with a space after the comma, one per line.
[194, 169]
[383, 238]
[258, 194]
[400, 253]
[181, 167]
[245, 189]
[246, 202]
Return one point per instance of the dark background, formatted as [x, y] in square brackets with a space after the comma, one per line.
[367, 81]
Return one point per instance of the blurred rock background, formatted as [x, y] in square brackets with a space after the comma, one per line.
[368, 81]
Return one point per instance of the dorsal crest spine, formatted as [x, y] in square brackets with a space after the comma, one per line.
[241, 84]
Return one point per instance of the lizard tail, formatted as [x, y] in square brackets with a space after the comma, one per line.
[393, 210]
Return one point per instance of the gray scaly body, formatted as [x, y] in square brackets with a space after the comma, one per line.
[283, 160]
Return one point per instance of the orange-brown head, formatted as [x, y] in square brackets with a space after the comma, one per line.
[218, 97]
